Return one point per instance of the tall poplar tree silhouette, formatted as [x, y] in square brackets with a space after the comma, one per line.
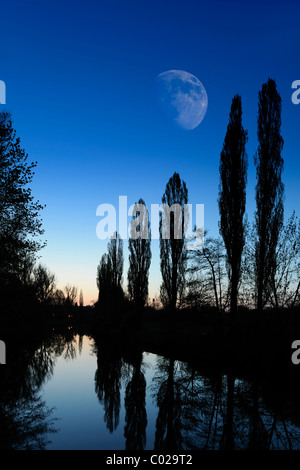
[232, 197]
[172, 246]
[109, 280]
[269, 187]
[139, 255]
[115, 253]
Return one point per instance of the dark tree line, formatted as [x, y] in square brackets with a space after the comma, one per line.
[172, 254]
[111, 298]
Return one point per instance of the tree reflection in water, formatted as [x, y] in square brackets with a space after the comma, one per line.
[25, 420]
[25, 423]
[108, 383]
[218, 412]
[169, 402]
[135, 406]
[192, 408]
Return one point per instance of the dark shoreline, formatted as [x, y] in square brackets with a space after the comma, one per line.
[250, 350]
[258, 346]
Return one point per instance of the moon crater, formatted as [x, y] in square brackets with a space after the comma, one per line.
[183, 97]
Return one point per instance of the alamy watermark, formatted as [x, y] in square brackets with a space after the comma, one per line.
[163, 225]
[296, 354]
[2, 352]
[2, 92]
[296, 94]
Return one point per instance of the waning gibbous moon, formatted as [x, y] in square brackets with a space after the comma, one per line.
[183, 97]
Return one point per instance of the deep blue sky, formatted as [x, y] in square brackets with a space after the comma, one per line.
[80, 85]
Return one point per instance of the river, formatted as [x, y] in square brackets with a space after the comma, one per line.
[73, 392]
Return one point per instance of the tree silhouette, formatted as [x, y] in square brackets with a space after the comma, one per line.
[285, 272]
[44, 283]
[104, 281]
[232, 196]
[207, 284]
[139, 256]
[71, 294]
[20, 224]
[80, 299]
[269, 187]
[109, 281]
[115, 253]
[58, 298]
[172, 242]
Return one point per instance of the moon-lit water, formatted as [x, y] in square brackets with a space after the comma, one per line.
[183, 98]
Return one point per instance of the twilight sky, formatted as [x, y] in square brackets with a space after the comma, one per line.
[80, 82]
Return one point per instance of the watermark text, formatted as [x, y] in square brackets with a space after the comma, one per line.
[167, 222]
[296, 93]
[2, 92]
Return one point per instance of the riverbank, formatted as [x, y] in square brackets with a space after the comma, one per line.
[257, 345]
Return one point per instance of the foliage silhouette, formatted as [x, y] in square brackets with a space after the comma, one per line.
[207, 284]
[20, 223]
[232, 197]
[269, 188]
[109, 282]
[172, 250]
[44, 283]
[139, 257]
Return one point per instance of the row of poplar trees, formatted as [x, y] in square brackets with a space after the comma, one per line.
[232, 205]
[269, 192]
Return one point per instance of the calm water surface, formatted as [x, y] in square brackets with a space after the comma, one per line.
[88, 392]
[71, 392]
